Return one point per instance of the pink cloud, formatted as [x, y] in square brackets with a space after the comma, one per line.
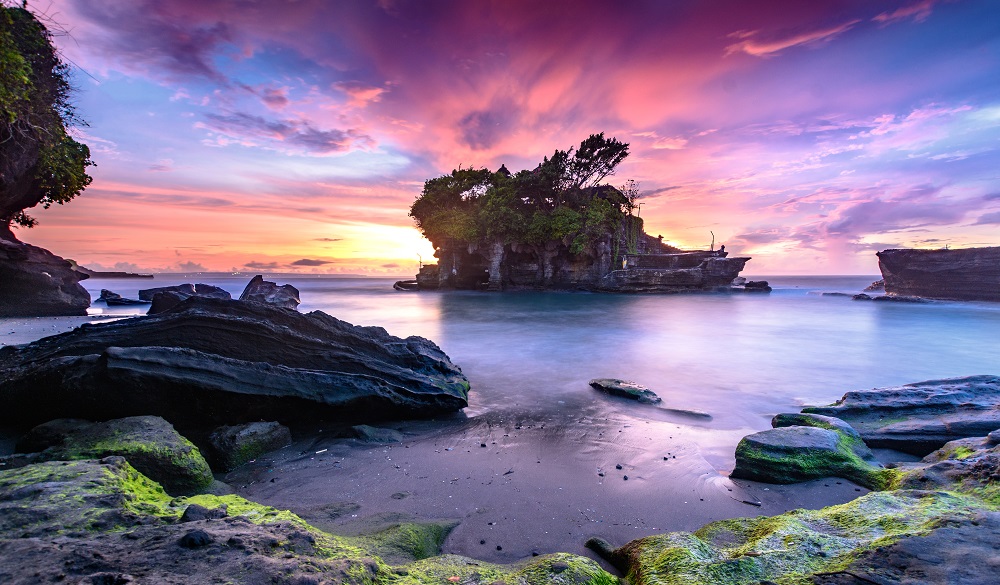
[918, 12]
[757, 45]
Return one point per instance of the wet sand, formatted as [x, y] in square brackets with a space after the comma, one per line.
[18, 330]
[544, 482]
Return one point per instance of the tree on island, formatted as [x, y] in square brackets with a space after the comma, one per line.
[559, 207]
[40, 163]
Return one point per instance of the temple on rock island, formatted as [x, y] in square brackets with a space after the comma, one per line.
[557, 226]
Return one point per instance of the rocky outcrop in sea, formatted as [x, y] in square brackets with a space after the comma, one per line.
[970, 274]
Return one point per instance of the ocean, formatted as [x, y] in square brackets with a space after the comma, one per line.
[739, 357]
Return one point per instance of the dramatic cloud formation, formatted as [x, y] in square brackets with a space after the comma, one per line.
[804, 134]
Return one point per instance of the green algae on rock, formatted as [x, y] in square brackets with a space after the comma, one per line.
[799, 453]
[149, 443]
[792, 547]
[897, 536]
[83, 520]
[232, 446]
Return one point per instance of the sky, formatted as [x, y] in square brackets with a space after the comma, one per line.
[281, 136]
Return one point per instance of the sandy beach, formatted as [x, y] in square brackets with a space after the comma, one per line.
[542, 483]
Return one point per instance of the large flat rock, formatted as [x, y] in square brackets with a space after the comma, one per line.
[216, 361]
[918, 418]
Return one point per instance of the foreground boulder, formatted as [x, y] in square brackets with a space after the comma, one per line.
[800, 453]
[213, 361]
[918, 418]
[104, 522]
[36, 283]
[149, 443]
[970, 274]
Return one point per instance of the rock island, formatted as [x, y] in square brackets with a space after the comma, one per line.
[558, 226]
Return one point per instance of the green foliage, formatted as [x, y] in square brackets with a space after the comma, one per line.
[559, 201]
[39, 161]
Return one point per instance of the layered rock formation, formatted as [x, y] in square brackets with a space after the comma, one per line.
[36, 283]
[918, 418]
[213, 361]
[971, 274]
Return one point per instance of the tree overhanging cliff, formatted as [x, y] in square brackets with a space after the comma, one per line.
[40, 163]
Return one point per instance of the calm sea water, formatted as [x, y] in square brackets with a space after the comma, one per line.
[740, 357]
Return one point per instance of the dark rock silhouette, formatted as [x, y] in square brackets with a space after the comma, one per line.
[213, 361]
[187, 290]
[36, 283]
[113, 299]
[262, 291]
[166, 297]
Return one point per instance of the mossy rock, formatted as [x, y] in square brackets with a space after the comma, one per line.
[797, 453]
[793, 547]
[370, 434]
[77, 518]
[232, 446]
[403, 543]
[149, 443]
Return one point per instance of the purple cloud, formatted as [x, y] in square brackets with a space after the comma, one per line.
[309, 262]
[262, 265]
[256, 130]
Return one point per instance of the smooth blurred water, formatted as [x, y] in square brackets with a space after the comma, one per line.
[740, 357]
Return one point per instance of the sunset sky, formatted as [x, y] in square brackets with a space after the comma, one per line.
[279, 136]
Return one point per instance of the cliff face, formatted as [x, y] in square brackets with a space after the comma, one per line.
[515, 266]
[971, 274]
